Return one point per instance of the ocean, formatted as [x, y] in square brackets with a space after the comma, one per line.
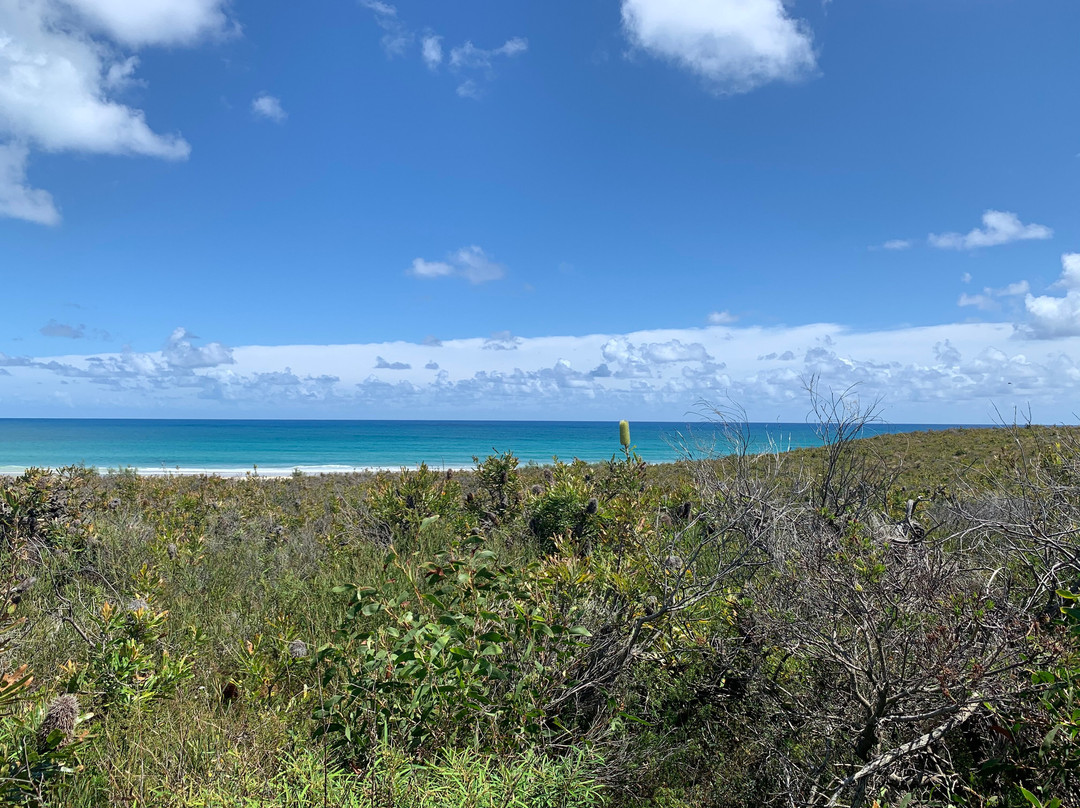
[275, 448]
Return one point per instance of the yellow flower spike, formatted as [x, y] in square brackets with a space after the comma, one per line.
[107, 610]
[624, 434]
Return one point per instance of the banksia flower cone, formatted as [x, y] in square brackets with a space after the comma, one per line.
[61, 715]
[298, 649]
[624, 434]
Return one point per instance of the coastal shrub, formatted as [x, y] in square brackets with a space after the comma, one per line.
[498, 497]
[738, 631]
[456, 649]
[566, 508]
[128, 665]
[41, 507]
[403, 503]
[38, 740]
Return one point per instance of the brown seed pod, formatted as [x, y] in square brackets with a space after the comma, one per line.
[61, 715]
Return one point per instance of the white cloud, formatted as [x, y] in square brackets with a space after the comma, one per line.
[983, 302]
[965, 278]
[1012, 290]
[722, 318]
[465, 59]
[60, 65]
[17, 199]
[999, 227]
[153, 22]
[269, 107]
[952, 372]
[989, 298]
[430, 269]
[397, 37]
[1050, 317]
[470, 56]
[1070, 271]
[735, 45]
[179, 352]
[52, 91]
[383, 9]
[382, 364]
[501, 341]
[897, 244]
[470, 263]
[431, 51]
[475, 265]
[470, 89]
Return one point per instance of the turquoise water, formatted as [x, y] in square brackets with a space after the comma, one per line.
[279, 447]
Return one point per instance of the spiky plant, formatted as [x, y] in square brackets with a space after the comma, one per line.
[61, 716]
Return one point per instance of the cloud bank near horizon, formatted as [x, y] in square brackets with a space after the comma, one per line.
[954, 373]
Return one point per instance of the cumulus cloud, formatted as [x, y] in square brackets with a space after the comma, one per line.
[60, 68]
[502, 341]
[269, 107]
[1052, 316]
[897, 244]
[939, 373]
[17, 199]
[631, 360]
[179, 352]
[470, 263]
[1070, 272]
[138, 23]
[999, 227]
[734, 45]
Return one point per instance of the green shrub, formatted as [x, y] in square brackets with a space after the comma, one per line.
[401, 504]
[461, 649]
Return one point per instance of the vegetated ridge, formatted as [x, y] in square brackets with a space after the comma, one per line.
[888, 621]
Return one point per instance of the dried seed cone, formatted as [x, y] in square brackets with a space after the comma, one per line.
[61, 715]
[298, 649]
[624, 434]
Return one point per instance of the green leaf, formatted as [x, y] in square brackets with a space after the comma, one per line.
[1031, 798]
[434, 601]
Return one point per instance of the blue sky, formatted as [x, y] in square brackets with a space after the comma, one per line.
[559, 209]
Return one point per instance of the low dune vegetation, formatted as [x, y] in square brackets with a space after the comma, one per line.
[890, 621]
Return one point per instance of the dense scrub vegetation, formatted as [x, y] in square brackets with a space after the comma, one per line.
[890, 621]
